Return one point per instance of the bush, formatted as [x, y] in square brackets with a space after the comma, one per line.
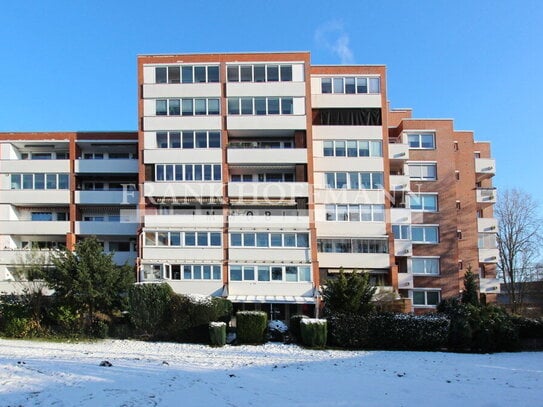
[295, 326]
[277, 330]
[251, 326]
[314, 332]
[388, 331]
[217, 333]
[528, 328]
[148, 305]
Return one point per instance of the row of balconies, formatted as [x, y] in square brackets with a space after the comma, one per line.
[16, 256]
[18, 227]
[112, 166]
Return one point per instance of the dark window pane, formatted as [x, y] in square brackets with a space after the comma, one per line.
[162, 140]
[273, 73]
[232, 73]
[213, 106]
[199, 74]
[361, 85]
[161, 107]
[260, 106]
[235, 273]
[188, 172]
[207, 172]
[246, 106]
[217, 172]
[187, 107]
[197, 172]
[175, 139]
[233, 105]
[200, 107]
[273, 105]
[246, 73]
[277, 273]
[326, 85]
[160, 75]
[338, 85]
[349, 85]
[263, 273]
[173, 107]
[286, 73]
[187, 74]
[214, 139]
[260, 73]
[188, 139]
[190, 239]
[173, 74]
[286, 106]
[213, 74]
[201, 139]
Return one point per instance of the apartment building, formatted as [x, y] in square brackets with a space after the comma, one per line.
[56, 188]
[257, 177]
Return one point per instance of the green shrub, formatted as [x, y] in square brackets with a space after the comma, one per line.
[314, 332]
[217, 333]
[251, 326]
[294, 327]
[528, 328]
[388, 331]
[18, 327]
[148, 306]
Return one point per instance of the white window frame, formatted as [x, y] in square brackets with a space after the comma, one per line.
[425, 291]
[421, 164]
[424, 233]
[426, 269]
[374, 211]
[420, 195]
[255, 267]
[420, 134]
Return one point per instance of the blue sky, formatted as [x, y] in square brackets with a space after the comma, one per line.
[71, 64]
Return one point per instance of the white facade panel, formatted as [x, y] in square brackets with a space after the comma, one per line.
[46, 197]
[283, 190]
[34, 227]
[177, 156]
[400, 183]
[149, 74]
[105, 228]
[299, 289]
[165, 123]
[209, 288]
[485, 166]
[405, 281]
[259, 156]
[298, 74]
[354, 260]
[333, 164]
[181, 254]
[397, 151]
[242, 222]
[176, 90]
[248, 89]
[345, 196]
[126, 197]
[489, 255]
[271, 122]
[277, 255]
[403, 248]
[487, 225]
[400, 215]
[35, 166]
[351, 229]
[183, 189]
[347, 132]
[121, 166]
[345, 101]
[8, 152]
[199, 222]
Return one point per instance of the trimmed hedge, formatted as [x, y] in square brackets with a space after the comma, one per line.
[294, 327]
[528, 328]
[251, 326]
[388, 331]
[314, 332]
[217, 333]
[148, 306]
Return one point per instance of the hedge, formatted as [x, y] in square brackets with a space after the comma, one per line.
[313, 332]
[217, 333]
[148, 306]
[294, 327]
[251, 326]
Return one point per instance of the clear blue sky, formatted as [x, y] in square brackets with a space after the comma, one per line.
[71, 64]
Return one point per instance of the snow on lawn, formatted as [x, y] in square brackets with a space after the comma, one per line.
[168, 374]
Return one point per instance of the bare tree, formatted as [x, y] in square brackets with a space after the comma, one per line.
[519, 239]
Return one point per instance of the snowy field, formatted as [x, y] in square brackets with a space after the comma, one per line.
[166, 374]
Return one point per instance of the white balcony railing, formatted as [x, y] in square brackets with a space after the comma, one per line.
[121, 166]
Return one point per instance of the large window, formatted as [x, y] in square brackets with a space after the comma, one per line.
[352, 245]
[425, 234]
[351, 85]
[187, 172]
[425, 265]
[426, 297]
[259, 73]
[260, 106]
[192, 272]
[269, 239]
[354, 180]
[183, 239]
[262, 273]
[355, 213]
[352, 148]
[187, 74]
[423, 202]
[188, 139]
[487, 241]
[40, 181]
[401, 232]
[187, 107]
[424, 141]
[423, 171]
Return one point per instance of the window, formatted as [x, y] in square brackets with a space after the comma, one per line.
[354, 180]
[188, 172]
[41, 216]
[352, 148]
[260, 106]
[355, 213]
[259, 73]
[187, 107]
[401, 232]
[347, 117]
[265, 239]
[192, 272]
[487, 241]
[290, 273]
[179, 239]
[39, 181]
[352, 245]
[425, 265]
[426, 297]
[119, 246]
[423, 202]
[422, 171]
[350, 85]
[187, 74]
[424, 234]
[424, 141]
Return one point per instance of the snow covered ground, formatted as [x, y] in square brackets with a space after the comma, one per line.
[167, 374]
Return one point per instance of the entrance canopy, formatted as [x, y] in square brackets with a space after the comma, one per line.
[271, 299]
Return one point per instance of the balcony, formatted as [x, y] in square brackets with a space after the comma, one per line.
[252, 219]
[400, 183]
[261, 156]
[208, 288]
[193, 190]
[405, 281]
[354, 260]
[121, 258]
[489, 255]
[487, 225]
[169, 90]
[35, 166]
[270, 122]
[485, 168]
[277, 255]
[486, 196]
[341, 100]
[184, 220]
[403, 248]
[22, 227]
[121, 166]
[29, 196]
[296, 289]
[489, 285]
[397, 151]
[182, 254]
[105, 228]
[268, 190]
[18, 256]
[251, 89]
[400, 216]
[127, 197]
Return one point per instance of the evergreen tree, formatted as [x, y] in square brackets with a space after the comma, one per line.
[88, 281]
[350, 294]
[470, 294]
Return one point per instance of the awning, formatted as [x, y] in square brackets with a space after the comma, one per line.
[271, 299]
